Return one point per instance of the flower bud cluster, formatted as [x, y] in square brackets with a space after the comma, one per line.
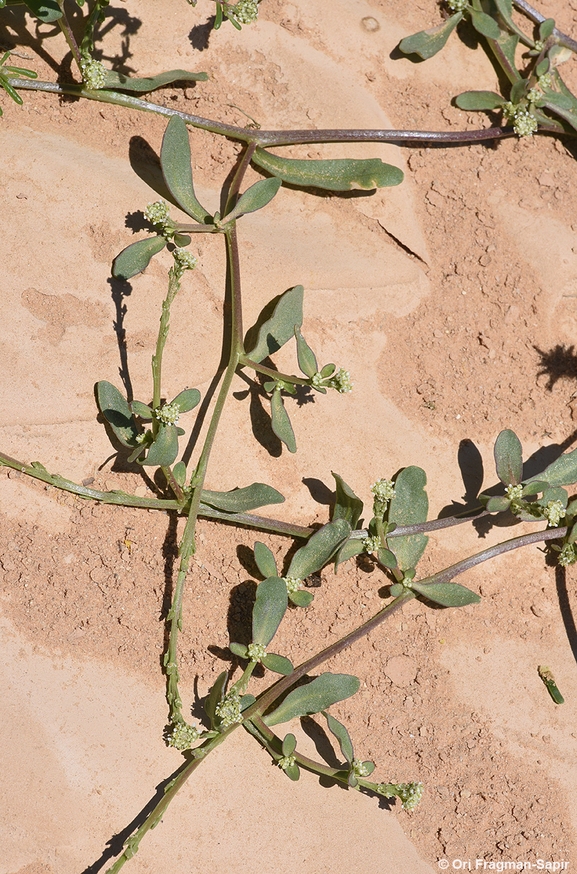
[341, 381]
[372, 543]
[567, 555]
[360, 768]
[554, 512]
[524, 123]
[228, 710]
[245, 11]
[409, 793]
[383, 490]
[286, 762]
[183, 736]
[457, 5]
[185, 260]
[168, 414]
[256, 652]
[93, 73]
[293, 584]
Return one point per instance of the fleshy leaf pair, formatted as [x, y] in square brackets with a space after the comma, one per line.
[307, 560]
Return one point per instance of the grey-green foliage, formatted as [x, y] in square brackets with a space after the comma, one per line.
[275, 325]
[136, 257]
[315, 696]
[409, 506]
[342, 174]
[269, 608]
[319, 549]
[175, 161]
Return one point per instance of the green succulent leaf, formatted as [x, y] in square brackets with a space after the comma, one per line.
[301, 598]
[508, 454]
[164, 449]
[115, 409]
[387, 558]
[342, 735]
[319, 549]
[177, 171]
[280, 422]
[546, 28]
[306, 357]
[179, 473]
[340, 174]
[45, 10]
[187, 400]
[136, 257]
[350, 548]
[562, 106]
[446, 594]
[119, 82]
[479, 100]
[265, 560]
[519, 90]
[289, 745]
[555, 493]
[427, 43]
[276, 324]
[255, 197]
[215, 696]
[293, 772]
[348, 506]
[242, 500]
[278, 664]
[485, 25]
[497, 504]
[508, 43]
[141, 410]
[239, 649]
[409, 506]
[269, 608]
[314, 697]
[534, 487]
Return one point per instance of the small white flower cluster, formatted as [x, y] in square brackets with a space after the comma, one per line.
[185, 260]
[256, 652]
[168, 414]
[157, 213]
[515, 494]
[93, 74]
[554, 512]
[229, 711]
[567, 555]
[183, 736]
[360, 768]
[524, 123]
[545, 81]
[286, 762]
[372, 543]
[293, 584]
[383, 490]
[457, 5]
[245, 11]
[341, 381]
[408, 793]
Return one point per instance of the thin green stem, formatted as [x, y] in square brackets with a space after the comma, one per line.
[238, 177]
[174, 283]
[154, 817]
[187, 546]
[245, 361]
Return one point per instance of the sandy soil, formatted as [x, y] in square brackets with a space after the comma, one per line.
[452, 300]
